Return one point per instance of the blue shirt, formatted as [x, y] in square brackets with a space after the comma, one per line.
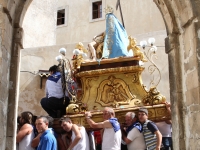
[47, 141]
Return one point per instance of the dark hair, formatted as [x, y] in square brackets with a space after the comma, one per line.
[50, 121]
[18, 119]
[27, 117]
[34, 119]
[53, 68]
[64, 119]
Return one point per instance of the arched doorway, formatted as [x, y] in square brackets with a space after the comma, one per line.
[182, 46]
[181, 25]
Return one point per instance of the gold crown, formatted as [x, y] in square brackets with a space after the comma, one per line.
[108, 10]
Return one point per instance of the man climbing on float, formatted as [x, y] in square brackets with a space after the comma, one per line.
[56, 100]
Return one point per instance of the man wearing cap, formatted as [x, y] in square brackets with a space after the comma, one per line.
[134, 138]
[111, 129]
[152, 135]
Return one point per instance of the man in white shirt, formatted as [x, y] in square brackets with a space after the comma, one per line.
[133, 135]
[165, 128]
[55, 95]
[111, 129]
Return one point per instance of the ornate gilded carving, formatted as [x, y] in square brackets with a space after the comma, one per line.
[135, 78]
[76, 108]
[153, 97]
[113, 92]
[88, 82]
[156, 113]
[72, 109]
[78, 52]
[110, 70]
[136, 50]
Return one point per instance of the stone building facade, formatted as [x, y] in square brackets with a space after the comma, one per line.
[39, 24]
[182, 45]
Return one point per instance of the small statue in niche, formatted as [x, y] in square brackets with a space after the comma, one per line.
[136, 50]
[79, 53]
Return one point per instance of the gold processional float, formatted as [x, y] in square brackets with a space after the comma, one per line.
[115, 83]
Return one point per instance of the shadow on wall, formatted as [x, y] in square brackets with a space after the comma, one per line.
[31, 94]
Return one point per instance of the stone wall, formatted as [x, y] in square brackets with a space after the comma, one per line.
[39, 24]
[182, 46]
[33, 60]
[140, 17]
[5, 58]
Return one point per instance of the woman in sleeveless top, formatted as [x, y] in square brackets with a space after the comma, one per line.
[26, 133]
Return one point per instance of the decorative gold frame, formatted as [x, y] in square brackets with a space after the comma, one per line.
[120, 86]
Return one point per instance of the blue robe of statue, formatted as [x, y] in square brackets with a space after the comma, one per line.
[116, 39]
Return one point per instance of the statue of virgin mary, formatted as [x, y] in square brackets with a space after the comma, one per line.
[116, 39]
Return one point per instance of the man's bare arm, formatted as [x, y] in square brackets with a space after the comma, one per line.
[35, 142]
[105, 124]
[124, 137]
[159, 139]
[76, 130]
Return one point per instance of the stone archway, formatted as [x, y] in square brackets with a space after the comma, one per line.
[182, 47]
[11, 33]
[181, 19]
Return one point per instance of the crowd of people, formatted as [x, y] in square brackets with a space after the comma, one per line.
[138, 133]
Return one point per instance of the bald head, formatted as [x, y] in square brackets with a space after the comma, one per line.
[110, 110]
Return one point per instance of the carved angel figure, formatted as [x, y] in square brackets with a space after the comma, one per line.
[79, 52]
[154, 97]
[136, 50]
[96, 46]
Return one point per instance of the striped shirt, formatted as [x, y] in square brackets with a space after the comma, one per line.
[150, 138]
